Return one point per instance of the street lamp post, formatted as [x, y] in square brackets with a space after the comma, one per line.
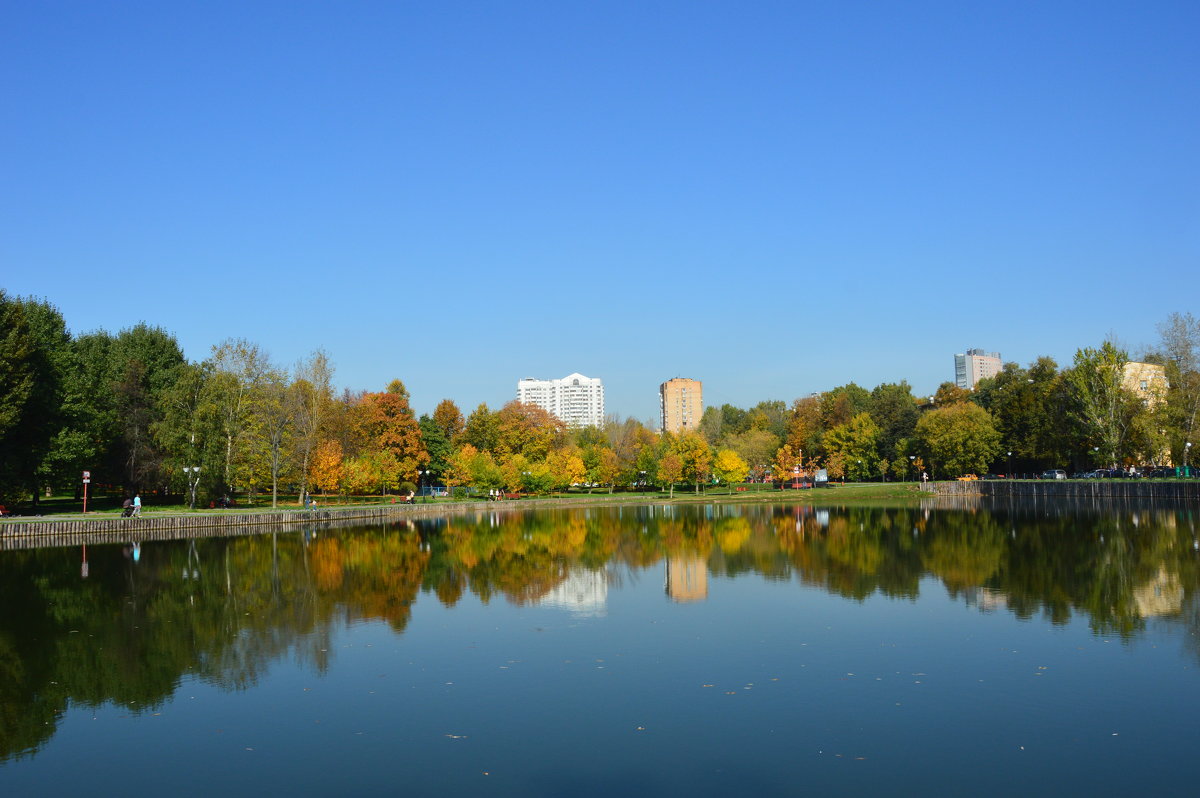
[421, 474]
[1187, 449]
[912, 462]
[1010, 474]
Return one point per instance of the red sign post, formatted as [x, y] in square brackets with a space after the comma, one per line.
[87, 478]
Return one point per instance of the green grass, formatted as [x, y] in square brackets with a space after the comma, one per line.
[65, 508]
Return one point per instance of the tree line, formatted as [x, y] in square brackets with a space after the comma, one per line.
[130, 409]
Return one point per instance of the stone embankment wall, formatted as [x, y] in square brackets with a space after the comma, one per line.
[21, 533]
[1098, 489]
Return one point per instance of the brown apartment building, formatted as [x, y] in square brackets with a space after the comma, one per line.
[682, 404]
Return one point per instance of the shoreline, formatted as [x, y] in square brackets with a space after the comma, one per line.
[32, 528]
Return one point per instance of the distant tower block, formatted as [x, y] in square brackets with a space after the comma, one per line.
[974, 366]
[681, 402]
[576, 400]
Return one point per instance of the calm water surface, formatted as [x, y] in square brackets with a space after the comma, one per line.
[659, 650]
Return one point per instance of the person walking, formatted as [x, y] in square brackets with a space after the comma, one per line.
[137, 505]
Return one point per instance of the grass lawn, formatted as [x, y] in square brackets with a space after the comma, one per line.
[66, 508]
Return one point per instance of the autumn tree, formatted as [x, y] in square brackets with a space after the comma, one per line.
[607, 468]
[311, 399]
[786, 464]
[730, 468]
[695, 455]
[804, 426]
[325, 470]
[669, 471]
[386, 422]
[566, 467]
[949, 393]
[449, 419]
[527, 429]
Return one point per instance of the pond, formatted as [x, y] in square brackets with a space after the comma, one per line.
[685, 650]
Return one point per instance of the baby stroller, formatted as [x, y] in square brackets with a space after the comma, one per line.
[127, 508]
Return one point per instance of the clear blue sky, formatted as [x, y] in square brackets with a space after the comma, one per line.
[775, 198]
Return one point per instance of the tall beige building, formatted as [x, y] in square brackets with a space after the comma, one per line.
[682, 403]
[1147, 381]
[975, 365]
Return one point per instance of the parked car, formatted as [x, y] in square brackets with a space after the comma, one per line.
[1054, 473]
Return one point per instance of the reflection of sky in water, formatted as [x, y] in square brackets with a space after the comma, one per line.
[725, 682]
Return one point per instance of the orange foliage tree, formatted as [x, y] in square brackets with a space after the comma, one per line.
[325, 471]
[387, 426]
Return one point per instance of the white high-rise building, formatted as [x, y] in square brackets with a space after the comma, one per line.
[974, 366]
[576, 400]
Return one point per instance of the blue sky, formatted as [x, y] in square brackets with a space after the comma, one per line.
[775, 198]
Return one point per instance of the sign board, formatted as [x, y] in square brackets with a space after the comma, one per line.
[87, 475]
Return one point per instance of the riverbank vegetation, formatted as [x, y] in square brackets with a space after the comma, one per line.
[129, 409]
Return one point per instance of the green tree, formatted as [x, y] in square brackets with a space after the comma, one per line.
[756, 446]
[482, 429]
[237, 368]
[1180, 341]
[843, 403]
[855, 442]
[35, 354]
[433, 437]
[894, 409]
[959, 439]
[1102, 407]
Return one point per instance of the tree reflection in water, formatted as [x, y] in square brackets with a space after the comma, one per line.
[222, 610]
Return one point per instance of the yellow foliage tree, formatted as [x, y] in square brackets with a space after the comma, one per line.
[566, 468]
[325, 471]
[786, 463]
[730, 468]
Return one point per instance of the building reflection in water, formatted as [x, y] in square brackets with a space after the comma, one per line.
[583, 592]
[687, 578]
[1162, 595]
